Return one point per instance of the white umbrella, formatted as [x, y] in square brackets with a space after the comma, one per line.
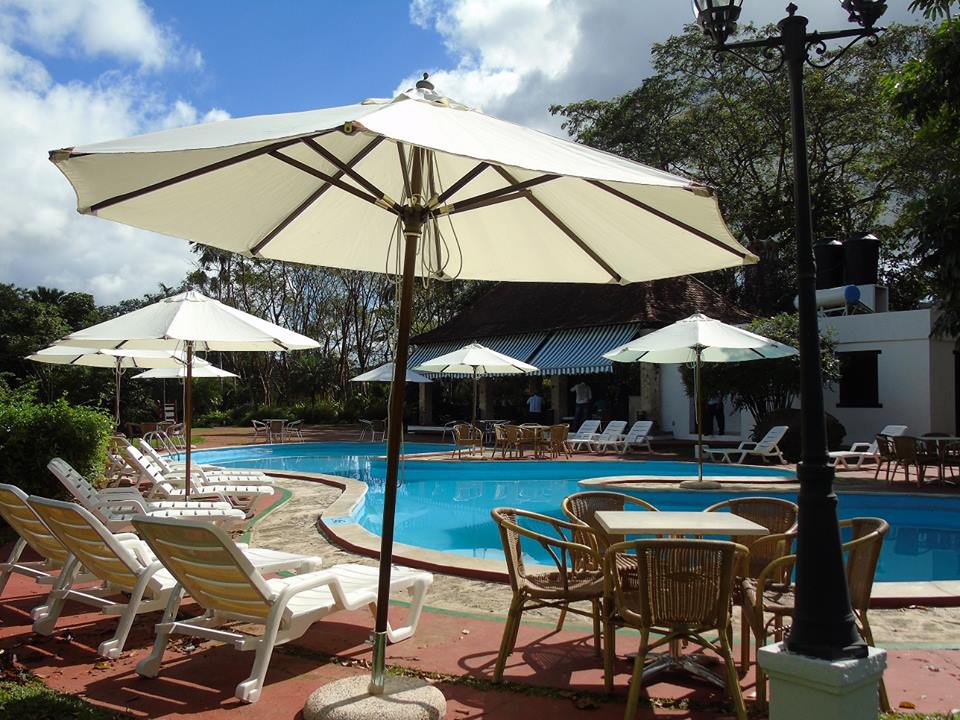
[475, 359]
[118, 360]
[361, 186]
[699, 339]
[204, 371]
[384, 373]
[189, 321]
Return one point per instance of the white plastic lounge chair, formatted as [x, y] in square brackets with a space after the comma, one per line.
[33, 534]
[211, 569]
[767, 447]
[861, 452]
[611, 436]
[123, 563]
[588, 432]
[208, 474]
[227, 488]
[639, 436]
[114, 507]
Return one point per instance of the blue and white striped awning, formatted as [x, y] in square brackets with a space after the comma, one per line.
[519, 346]
[579, 351]
[422, 353]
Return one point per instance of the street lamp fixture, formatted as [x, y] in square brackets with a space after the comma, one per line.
[823, 624]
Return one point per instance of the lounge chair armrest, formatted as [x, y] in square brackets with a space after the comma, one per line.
[307, 581]
[860, 447]
[747, 445]
[124, 504]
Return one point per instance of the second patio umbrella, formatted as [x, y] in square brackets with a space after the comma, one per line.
[189, 321]
[699, 339]
[385, 373]
[476, 360]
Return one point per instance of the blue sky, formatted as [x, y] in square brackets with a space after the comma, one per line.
[81, 71]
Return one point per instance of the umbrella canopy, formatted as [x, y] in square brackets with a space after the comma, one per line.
[475, 359]
[416, 185]
[384, 373]
[118, 360]
[199, 371]
[699, 339]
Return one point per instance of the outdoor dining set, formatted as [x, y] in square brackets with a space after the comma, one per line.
[277, 429]
[619, 561]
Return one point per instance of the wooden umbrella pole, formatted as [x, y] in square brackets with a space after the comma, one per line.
[414, 216]
[116, 393]
[474, 421]
[187, 418]
[699, 422]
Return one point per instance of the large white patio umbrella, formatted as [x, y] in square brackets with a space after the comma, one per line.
[385, 372]
[476, 360]
[199, 371]
[418, 186]
[117, 360]
[189, 322]
[699, 339]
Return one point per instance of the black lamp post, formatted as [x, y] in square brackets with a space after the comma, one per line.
[823, 623]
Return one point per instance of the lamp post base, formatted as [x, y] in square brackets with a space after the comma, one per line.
[806, 687]
[403, 698]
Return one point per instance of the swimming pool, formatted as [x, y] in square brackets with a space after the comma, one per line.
[445, 505]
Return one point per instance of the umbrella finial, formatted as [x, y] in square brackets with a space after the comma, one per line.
[425, 84]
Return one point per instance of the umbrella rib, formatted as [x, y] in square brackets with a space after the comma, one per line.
[403, 169]
[312, 198]
[664, 216]
[197, 172]
[303, 167]
[481, 200]
[562, 226]
[458, 185]
[347, 168]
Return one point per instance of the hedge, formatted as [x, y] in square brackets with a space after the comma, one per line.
[31, 434]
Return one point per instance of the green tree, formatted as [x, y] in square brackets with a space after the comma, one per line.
[728, 126]
[925, 96]
[761, 386]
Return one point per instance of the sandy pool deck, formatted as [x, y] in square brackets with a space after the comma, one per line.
[293, 527]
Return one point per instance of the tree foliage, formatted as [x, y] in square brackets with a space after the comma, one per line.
[728, 126]
[761, 386]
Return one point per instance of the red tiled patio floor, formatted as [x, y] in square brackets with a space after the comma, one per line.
[544, 675]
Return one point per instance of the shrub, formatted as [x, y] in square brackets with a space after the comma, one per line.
[319, 412]
[31, 434]
[214, 418]
[791, 441]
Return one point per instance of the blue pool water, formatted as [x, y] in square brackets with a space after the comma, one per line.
[446, 505]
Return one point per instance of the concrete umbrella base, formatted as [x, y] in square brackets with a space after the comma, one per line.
[700, 485]
[402, 699]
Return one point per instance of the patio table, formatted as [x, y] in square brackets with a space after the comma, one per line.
[270, 432]
[941, 442]
[637, 522]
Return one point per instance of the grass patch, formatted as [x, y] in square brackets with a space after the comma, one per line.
[30, 699]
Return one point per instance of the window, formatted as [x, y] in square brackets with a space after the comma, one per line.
[859, 381]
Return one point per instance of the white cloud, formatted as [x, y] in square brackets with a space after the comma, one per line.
[514, 58]
[43, 240]
[122, 29]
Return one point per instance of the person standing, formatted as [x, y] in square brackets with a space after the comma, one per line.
[534, 407]
[584, 396]
[716, 412]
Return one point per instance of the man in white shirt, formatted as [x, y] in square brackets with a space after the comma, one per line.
[534, 406]
[584, 396]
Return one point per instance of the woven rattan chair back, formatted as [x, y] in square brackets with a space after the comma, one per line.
[776, 515]
[863, 554]
[583, 507]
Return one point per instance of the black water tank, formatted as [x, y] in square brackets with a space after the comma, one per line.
[829, 256]
[861, 255]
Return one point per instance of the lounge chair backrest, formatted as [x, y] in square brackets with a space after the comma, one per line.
[77, 485]
[588, 427]
[208, 564]
[613, 430]
[888, 431]
[158, 459]
[21, 517]
[640, 429]
[146, 467]
[774, 435]
[89, 541]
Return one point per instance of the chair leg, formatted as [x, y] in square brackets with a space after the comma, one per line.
[733, 681]
[150, 666]
[636, 680]
[609, 646]
[45, 618]
[597, 610]
[563, 617]
[509, 639]
[868, 636]
[11, 561]
[745, 633]
[249, 690]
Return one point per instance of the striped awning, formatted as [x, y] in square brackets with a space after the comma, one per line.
[519, 346]
[579, 351]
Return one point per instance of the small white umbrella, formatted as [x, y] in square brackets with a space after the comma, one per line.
[699, 339]
[384, 373]
[118, 360]
[189, 321]
[199, 371]
[475, 359]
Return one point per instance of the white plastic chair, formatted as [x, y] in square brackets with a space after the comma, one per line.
[259, 427]
[114, 507]
[208, 473]
[295, 428]
[611, 436]
[767, 447]
[639, 436]
[588, 432]
[861, 452]
[212, 570]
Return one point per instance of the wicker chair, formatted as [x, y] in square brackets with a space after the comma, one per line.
[506, 438]
[466, 437]
[685, 595]
[769, 599]
[886, 455]
[530, 437]
[575, 577]
[911, 451]
[557, 441]
[582, 509]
